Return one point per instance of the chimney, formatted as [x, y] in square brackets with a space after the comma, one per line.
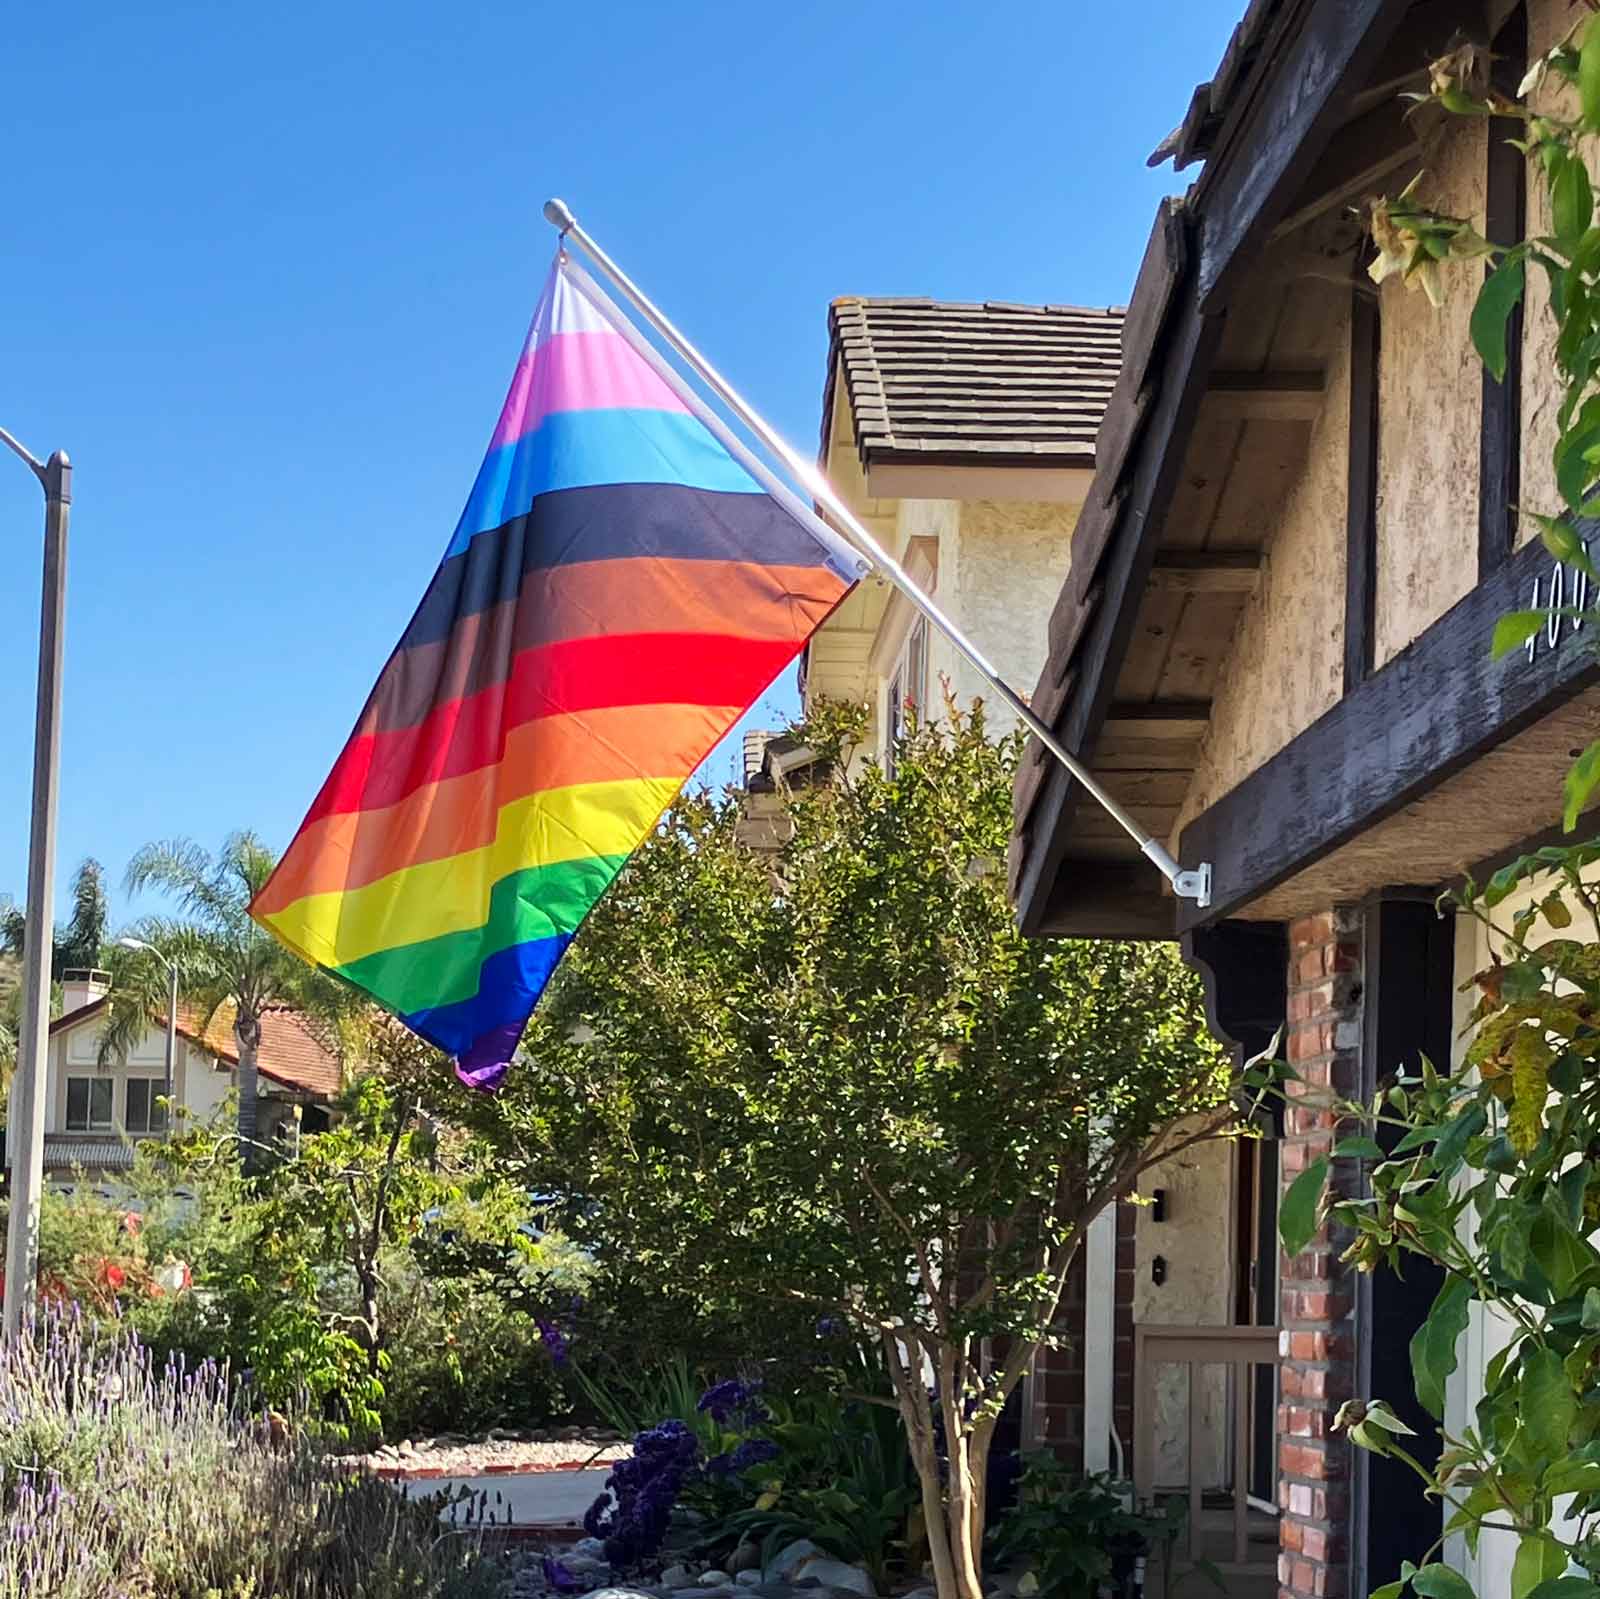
[82, 986]
[755, 749]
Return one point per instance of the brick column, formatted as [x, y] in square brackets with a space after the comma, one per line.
[1058, 1377]
[1317, 1344]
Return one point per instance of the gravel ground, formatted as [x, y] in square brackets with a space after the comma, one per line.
[451, 1456]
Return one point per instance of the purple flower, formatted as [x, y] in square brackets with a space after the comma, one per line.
[725, 1400]
[560, 1576]
[553, 1339]
[753, 1452]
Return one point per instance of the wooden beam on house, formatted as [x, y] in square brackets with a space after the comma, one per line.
[1269, 144]
[1206, 572]
[1265, 396]
[1439, 705]
[1163, 719]
[1505, 222]
[1377, 151]
[1108, 899]
[1361, 493]
[1249, 184]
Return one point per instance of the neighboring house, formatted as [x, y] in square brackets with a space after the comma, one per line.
[94, 1114]
[1313, 710]
[964, 437]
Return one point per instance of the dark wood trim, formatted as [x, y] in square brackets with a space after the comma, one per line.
[1505, 222]
[1253, 175]
[1244, 970]
[1379, 150]
[1125, 572]
[1361, 495]
[1408, 980]
[1266, 150]
[1432, 710]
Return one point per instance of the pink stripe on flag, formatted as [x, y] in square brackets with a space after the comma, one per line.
[579, 372]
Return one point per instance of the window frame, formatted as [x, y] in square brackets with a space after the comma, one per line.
[155, 1116]
[95, 1086]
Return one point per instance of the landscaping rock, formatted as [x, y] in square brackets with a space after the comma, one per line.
[677, 1577]
[747, 1578]
[715, 1579]
[747, 1557]
[590, 1549]
[785, 1565]
[822, 1572]
[622, 1593]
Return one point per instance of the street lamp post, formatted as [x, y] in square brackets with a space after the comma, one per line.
[172, 1007]
[28, 1089]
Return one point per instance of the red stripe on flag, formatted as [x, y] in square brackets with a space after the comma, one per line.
[465, 735]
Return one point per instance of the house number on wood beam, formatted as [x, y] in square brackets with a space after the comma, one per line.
[1565, 589]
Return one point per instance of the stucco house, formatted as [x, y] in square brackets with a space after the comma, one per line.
[94, 1114]
[964, 436]
[1316, 714]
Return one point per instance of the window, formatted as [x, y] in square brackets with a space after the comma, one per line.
[146, 1113]
[908, 688]
[89, 1104]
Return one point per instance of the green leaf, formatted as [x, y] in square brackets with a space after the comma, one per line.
[1566, 1588]
[1513, 630]
[1358, 1149]
[1582, 778]
[1433, 1346]
[1571, 201]
[1390, 1590]
[1591, 1310]
[1539, 1560]
[1297, 1218]
[1546, 1402]
[1589, 78]
[1497, 299]
[1440, 1582]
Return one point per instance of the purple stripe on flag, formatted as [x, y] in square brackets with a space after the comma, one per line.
[579, 372]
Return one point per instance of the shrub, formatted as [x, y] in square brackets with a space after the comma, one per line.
[125, 1478]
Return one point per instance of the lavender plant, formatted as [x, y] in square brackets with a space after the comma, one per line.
[122, 1479]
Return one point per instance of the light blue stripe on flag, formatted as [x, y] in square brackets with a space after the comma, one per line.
[584, 449]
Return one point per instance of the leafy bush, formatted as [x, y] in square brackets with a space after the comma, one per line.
[461, 1359]
[1076, 1534]
[124, 1478]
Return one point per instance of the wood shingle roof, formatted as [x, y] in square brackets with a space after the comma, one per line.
[962, 384]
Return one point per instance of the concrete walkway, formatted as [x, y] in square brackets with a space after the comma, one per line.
[538, 1498]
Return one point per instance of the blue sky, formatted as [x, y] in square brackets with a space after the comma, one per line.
[273, 266]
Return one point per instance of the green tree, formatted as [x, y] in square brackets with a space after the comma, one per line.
[80, 941]
[225, 962]
[837, 1075]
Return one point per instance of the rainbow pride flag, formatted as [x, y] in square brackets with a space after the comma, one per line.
[624, 583]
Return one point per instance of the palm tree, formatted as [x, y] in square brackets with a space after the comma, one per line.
[224, 960]
[80, 942]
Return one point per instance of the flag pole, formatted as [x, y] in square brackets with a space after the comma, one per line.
[1192, 884]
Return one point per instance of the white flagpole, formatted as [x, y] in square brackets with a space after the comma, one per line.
[1193, 884]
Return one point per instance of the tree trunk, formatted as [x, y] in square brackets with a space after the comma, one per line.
[957, 1568]
[247, 1030]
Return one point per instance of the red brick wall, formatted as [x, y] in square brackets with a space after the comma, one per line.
[1058, 1377]
[1317, 1372]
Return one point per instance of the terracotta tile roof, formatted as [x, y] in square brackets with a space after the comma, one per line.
[290, 1054]
[993, 384]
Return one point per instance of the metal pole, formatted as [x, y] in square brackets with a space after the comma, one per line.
[28, 1093]
[1194, 884]
[172, 1040]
